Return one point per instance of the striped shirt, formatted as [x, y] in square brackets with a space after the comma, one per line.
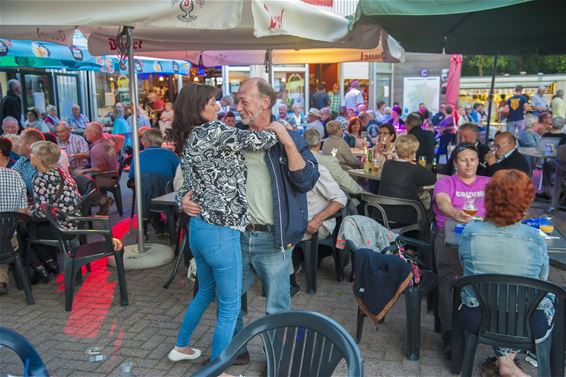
[12, 191]
[75, 144]
[79, 122]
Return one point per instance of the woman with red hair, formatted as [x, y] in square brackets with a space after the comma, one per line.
[503, 245]
[354, 132]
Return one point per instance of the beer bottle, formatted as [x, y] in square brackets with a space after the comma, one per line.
[367, 163]
[434, 166]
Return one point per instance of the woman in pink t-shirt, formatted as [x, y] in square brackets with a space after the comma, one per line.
[451, 194]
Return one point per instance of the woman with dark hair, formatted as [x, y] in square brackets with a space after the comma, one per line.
[396, 120]
[214, 170]
[33, 120]
[452, 194]
[385, 143]
[502, 245]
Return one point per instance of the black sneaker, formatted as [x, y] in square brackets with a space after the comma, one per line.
[242, 359]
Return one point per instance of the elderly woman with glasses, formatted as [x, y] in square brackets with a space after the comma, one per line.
[455, 197]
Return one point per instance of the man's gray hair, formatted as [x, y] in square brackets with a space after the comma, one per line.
[9, 119]
[264, 89]
[557, 123]
[312, 137]
[153, 136]
[559, 93]
[13, 83]
[50, 107]
[326, 111]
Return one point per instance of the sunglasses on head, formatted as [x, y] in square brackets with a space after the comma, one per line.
[465, 146]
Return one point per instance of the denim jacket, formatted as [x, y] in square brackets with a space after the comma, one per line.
[289, 190]
[516, 249]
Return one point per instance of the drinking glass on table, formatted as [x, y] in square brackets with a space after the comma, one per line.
[470, 207]
[546, 225]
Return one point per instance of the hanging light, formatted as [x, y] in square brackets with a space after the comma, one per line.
[195, 79]
[161, 78]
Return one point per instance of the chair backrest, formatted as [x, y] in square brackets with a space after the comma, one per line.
[383, 203]
[298, 343]
[507, 304]
[9, 222]
[87, 189]
[33, 364]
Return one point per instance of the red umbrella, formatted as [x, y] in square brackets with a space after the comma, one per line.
[453, 83]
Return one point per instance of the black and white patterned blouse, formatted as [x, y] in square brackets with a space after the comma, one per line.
[214, 168]
[45, 188]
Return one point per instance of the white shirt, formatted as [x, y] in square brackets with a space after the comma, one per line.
[353, 98]
[325, 191]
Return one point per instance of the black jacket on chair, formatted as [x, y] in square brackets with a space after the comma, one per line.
[152, 186]
[379, 280]
[514, 161]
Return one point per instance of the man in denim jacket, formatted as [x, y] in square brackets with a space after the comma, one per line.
[276, 188]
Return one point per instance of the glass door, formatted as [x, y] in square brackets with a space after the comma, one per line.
[67, 93]
[37, 91]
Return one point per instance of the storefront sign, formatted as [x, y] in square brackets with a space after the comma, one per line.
[424, 72]
[77, 53]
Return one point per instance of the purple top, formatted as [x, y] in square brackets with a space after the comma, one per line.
[458, 192]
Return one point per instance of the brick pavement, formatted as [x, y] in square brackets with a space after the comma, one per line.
[145, 331]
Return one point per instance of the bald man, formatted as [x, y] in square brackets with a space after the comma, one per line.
[506, 155]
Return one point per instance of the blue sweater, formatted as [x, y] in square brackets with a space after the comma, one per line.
[157, 160]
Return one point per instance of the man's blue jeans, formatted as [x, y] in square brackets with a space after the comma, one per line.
[262, 259]
[219, 270]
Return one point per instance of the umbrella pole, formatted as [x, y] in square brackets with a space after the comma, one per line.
[490, 97]
[140, 255]
[136, 157]
[269, 65]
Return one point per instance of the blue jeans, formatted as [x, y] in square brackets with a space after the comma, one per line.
[262, 259]
[216, 250]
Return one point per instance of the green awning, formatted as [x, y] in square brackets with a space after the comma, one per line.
[511, 27]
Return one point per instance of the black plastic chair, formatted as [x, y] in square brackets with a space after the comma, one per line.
[9, 224]
[113, 176]
[413, 296]
[507, 304]
[33, 364]
[310, 253]
[78, 256]
[380, 204]
[297, 343]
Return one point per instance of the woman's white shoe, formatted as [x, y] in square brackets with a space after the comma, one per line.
[175, 355]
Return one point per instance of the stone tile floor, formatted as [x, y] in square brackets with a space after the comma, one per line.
[145, 331]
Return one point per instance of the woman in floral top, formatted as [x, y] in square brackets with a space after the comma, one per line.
[52, 186]
[214, 170]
